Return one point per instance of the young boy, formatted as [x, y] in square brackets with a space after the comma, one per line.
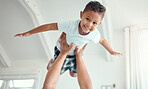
[78, 32]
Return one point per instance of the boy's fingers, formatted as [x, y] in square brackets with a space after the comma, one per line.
[16, 35]
[21, 35]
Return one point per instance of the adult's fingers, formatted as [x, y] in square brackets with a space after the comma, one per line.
[84, 46]
[62, 37]
[71, 45]
[77, 48]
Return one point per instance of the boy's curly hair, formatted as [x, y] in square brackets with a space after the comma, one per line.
[96, 7]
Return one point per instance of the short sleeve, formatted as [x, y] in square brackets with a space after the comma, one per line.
[96, 36]
[64, 26]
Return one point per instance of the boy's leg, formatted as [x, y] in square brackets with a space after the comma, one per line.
[73, 69]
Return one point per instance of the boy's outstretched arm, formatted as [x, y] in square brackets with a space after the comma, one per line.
[105, 44]
[42, 28]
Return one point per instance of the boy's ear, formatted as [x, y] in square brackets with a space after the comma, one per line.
[81, 14]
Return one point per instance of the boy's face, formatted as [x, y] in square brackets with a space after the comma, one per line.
[89, 21]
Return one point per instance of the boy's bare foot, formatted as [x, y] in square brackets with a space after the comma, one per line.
[49, 63]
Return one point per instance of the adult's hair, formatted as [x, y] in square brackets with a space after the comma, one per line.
[96, 7]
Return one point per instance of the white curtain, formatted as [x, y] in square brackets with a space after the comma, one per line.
[133, 57]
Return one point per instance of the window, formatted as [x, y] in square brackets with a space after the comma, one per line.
[17, 84]
[22, 84]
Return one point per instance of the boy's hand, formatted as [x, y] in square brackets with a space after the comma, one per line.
[79, 51]
[115, 53]
[23, 34]
[65, 48]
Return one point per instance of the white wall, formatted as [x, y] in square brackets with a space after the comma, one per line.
[126, 13]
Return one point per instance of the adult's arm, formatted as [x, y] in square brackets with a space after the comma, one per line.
[82, 74]
[54, 72]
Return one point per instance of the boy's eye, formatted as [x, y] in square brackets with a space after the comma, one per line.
[88, 19]
[94, 23]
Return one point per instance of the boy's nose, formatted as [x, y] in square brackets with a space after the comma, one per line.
[89, 24]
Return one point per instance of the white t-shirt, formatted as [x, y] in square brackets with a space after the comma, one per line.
[73, 36]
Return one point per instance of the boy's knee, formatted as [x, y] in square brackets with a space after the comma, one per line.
[73, 74]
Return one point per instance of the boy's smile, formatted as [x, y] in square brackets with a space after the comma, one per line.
[89, 21]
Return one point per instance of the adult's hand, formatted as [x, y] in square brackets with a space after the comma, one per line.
[79, 51]
[65, 48]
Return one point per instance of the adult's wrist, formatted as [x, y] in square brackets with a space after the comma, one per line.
[64, 53]
[78, 55]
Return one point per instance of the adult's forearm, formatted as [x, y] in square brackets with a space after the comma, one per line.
[54, 72]
[82, 74]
